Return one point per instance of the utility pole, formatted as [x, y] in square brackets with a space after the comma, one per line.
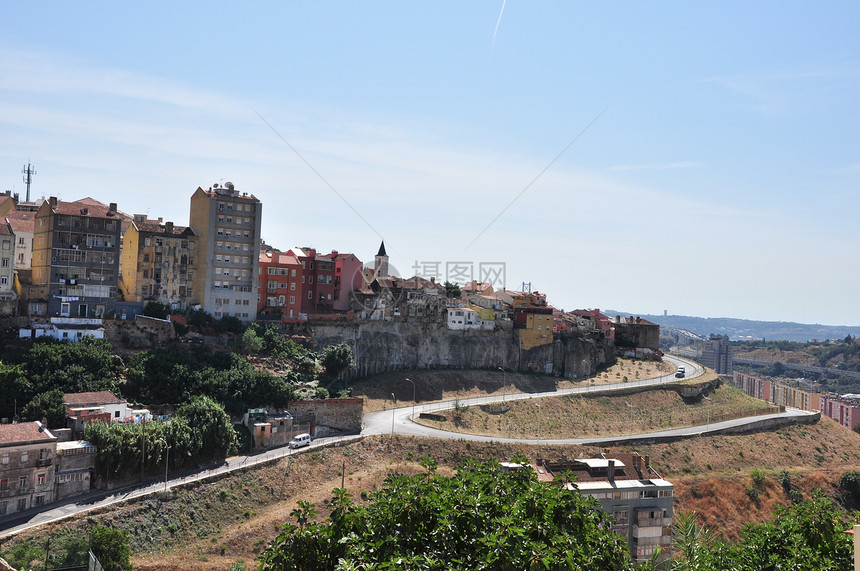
[393, 403]
[504, 383]
[28, 171]
[413, 398]
[709, 410]
[630, 406]
[166, 459]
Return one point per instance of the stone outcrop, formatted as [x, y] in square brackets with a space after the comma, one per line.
[380, 346]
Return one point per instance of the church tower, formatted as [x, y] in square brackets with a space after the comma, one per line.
[380, 265]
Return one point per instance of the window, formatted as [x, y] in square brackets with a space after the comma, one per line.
[40, 479]
[310, 279]
[292, 299]
[25, 455]
[4, 280]
[7, 244]
[22, 481]
[293, 274]
[309, 295]
[3, 507]
[22, 504]
[40, 500]
[293, 286]
[4, 484]
[4, 263]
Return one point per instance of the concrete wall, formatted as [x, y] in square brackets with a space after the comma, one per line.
[388, 346]
[139, 332]
[331, 415]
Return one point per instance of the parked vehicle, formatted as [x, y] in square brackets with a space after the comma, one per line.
[300, 440]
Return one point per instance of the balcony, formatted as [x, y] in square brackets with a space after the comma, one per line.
[44, 462]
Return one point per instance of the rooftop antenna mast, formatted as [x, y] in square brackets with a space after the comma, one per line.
[28, 172]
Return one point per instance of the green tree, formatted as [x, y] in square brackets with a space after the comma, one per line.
[849, 483]
[209, 427]
[250, 343]
[15, 388]
[73, 367]
[452, 290]
[111, 547]
[156, 309]
[336, 359]
[805, 536]
[50, 406]
[480, 518]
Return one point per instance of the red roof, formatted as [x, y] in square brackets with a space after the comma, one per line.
[22, 220]
[24, 432]
[90, 399]
[93, 208]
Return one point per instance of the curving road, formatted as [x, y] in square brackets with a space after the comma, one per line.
[399, 420]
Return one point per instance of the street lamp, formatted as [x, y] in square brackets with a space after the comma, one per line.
[630, 406]
[413, 398]
[504, 383]
[166, 459]
[393, 402]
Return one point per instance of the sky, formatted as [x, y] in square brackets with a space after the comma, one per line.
[697, 158]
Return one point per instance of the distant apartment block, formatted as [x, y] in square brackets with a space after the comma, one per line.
[844, 409]
[281, 288]
[754, 385]
[318, 280]
[76, 255]
[158, 263]
[227, 223]
[719, 356]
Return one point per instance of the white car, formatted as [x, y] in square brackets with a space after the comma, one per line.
[300, 440]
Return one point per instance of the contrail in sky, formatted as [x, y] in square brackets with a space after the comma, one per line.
[499, 21]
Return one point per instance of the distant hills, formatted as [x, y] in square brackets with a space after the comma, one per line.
[742, 329]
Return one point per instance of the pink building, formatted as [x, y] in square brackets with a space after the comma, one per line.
[845, 411]
[347, 278]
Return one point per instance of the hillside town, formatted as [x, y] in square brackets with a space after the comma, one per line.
[67, 266]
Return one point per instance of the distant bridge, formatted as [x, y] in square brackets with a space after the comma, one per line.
[804, 368]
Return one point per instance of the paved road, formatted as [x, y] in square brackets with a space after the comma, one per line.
[80, 504]
[397, 420]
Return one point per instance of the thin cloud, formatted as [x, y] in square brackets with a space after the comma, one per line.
[499, 21]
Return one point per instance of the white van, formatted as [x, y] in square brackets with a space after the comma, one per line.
[300, 440]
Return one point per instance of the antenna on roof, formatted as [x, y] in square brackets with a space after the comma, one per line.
[28, 172]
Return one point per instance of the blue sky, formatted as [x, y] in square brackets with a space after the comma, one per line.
[720, 177]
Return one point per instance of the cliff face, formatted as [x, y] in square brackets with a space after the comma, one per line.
[379, 346]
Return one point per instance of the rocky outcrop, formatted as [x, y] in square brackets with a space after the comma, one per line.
[380, 346]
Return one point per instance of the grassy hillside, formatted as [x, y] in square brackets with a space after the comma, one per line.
[211, 525]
